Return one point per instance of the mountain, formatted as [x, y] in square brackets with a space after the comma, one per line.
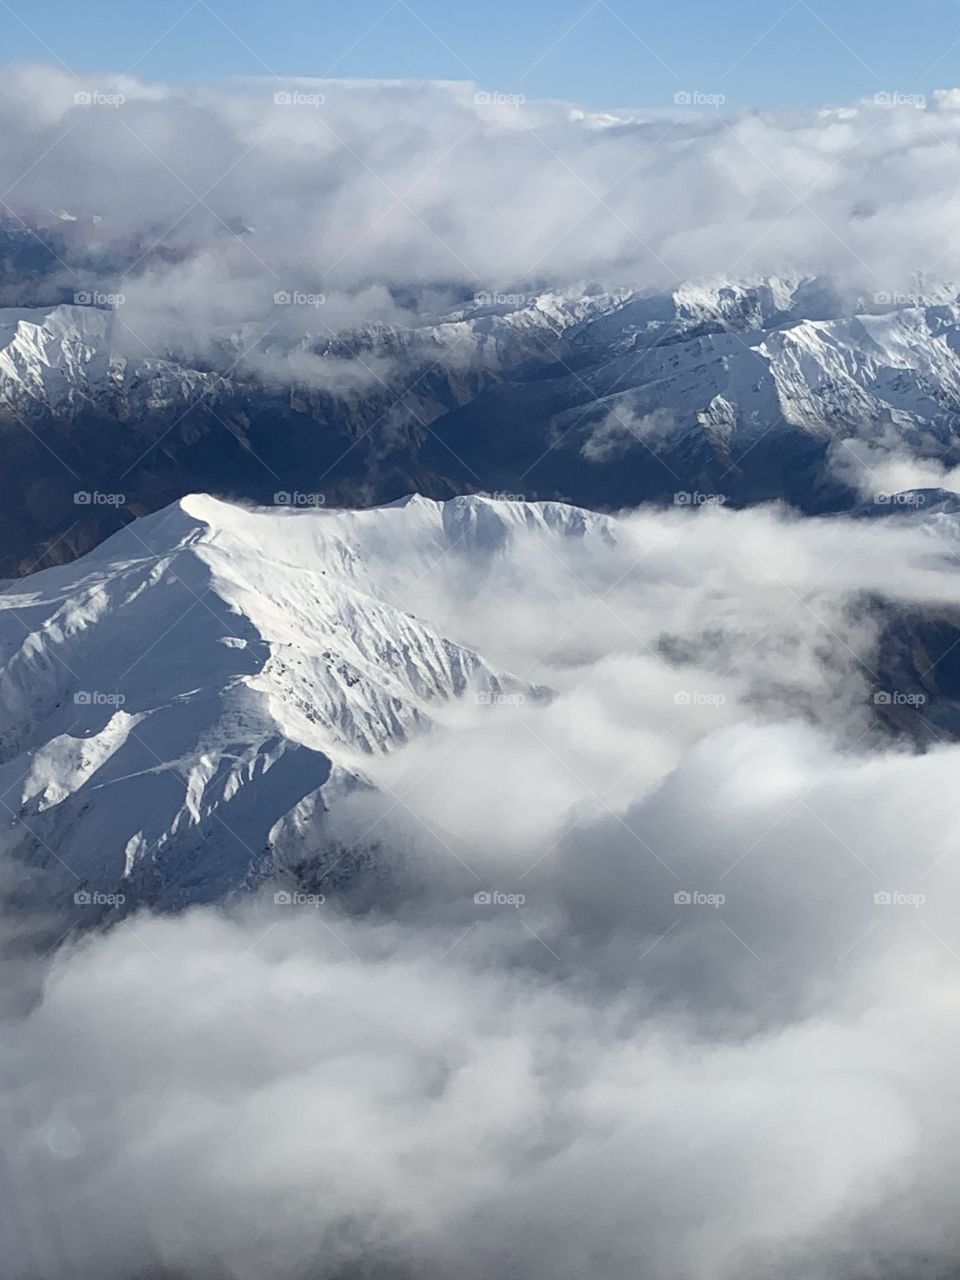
[183, 704]
[602, 399]
[181, 708]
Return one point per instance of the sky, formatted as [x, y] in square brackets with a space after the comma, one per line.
[603, 53]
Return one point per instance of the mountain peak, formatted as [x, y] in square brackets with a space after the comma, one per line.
[209, 647]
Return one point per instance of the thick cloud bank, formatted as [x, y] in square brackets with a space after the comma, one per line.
[658, 978]
[199, 206]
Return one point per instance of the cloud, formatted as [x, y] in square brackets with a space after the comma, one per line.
[880, 467]
[372, 193]
[619, 432]
[700, 1020]
[659, 971]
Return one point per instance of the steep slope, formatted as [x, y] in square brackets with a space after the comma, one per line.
[212, 673]
[746, 412]
[58, 360]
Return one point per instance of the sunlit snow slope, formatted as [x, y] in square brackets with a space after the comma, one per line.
[185, 701]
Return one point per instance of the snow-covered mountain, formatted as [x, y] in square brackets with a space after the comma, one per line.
[603, 399]
[59, 359]
[182, 707]
[63, 360]
[184, 703]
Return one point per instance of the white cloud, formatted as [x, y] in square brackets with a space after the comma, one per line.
[603, 1078]
[396, 185]
[407, 1082]
[880, 467]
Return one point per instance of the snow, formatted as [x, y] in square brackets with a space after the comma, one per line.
[60, 358]
[181, 704]
[782, 354]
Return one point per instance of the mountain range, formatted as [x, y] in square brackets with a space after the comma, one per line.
[743, 391]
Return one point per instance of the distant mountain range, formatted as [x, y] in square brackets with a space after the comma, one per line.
[735, 391]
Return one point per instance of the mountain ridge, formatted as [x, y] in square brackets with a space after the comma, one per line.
[236, 666]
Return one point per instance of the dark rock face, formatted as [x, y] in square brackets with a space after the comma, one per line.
[254, 444]
[598, 402]
[917, 693]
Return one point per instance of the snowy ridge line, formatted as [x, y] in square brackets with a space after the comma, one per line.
[172, 720]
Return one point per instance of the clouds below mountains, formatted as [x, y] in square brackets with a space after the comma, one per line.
[700, 1020]
[210, 201]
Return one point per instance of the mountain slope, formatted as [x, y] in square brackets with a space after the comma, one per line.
[182, 707]
[212, 674]
[600, 399]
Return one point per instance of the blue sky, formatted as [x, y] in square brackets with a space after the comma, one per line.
[767, 53]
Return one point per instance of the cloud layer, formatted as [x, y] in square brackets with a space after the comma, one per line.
[699, 1021]
[209, 201]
